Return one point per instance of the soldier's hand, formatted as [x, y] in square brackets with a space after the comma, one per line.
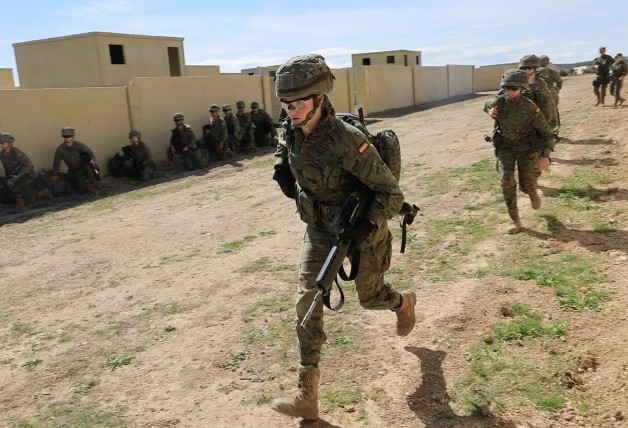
[15, 177]
[185, 149]
[543, 164]
[55, 178]
[493, 113]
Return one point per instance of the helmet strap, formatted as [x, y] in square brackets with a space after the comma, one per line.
[310, 115]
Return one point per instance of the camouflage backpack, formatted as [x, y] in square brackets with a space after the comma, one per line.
[389, 149]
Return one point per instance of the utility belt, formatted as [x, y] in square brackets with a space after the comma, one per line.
[312, 211]
[515, 146]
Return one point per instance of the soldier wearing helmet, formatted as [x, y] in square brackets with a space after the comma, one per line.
[538, 91]
[602, 65]
[139, 163]
[216, 136]
[80, 160]
[244, 119]
[263, 130]
[619, 71]
[521, 136]
[320, 161]
[234, 132]
[551, 77]
[183, 143]
[19, 173]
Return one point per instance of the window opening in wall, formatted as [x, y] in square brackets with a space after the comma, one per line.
[116, 52]
[405, 60]
[251, 74]
[390, 59]
[366, 61]
[272, 73]
[173, 60]
[417, 59]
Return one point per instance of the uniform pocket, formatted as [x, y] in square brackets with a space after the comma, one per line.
[307, 207]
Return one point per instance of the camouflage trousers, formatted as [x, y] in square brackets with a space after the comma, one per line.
[141, 170]
[524, 162]
[192, 159]
[16, 188]
[616, 88]
[78, 176]
[373, 292]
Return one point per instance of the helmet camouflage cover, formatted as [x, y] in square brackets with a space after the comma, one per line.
[226, 107]
[134, 133]
[302, 76]
[177, 116]
[529, 61]
[6, 137]
[67, 132]
[214, 107]
[515, 77]
[544, 60]
[240, 104]
[254, 104]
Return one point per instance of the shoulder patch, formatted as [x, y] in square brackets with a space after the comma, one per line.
[363, 147]
[538, 110]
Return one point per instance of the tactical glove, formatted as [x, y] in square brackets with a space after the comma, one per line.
[361, 230]
[283, 176]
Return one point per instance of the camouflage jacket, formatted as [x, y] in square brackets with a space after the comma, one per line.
[183, 138]
[520, 121]
[552, 78]
[619, 69]
[333, 161]
[260, 119]
[245, 121]
[216, 130]
[540, 95]
[604, 64]
[14, 158]
[233, 127]
[71, 155]
[140, 153]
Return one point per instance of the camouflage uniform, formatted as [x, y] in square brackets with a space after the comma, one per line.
[234, 132]
[246, 127]
[602, 78]
[11, 160]
[76, 157]
[140, 163]
[552, 78]
[262, 123]
[538, 91]
[619, 70]
[184, 138]
[524, 135]
[216, 137]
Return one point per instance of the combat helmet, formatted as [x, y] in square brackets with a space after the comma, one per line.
[135, 133]
[214, 107]
[240, 104]
[6, 137]
[226, 107]
[544, 60]
[515, 77]
[177, 116]
[67, 132]
[529, 61]
[254, 104]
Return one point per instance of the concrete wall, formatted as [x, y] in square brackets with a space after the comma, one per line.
[153, 101]
[381, 58]
[488, 78]
[144, 57]
[65, 62]
[461, 81]
[341, 97]
[202, 70]
[386, 88]
[6, 78]
[430, 84]
[35, 117]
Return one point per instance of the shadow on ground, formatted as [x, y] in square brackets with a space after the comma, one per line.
[593, 241]
[587, 142]
[593, 193]
[111, 186]
[586, 161]
[398, 112]
[430, 401]
[317, 424]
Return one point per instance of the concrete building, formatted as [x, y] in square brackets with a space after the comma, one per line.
[268, 71]
[6, 78]
[97, 59]
[401, 58]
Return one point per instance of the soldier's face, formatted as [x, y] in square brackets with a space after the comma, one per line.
[512, 91]
[179, 122]
[619, 58]
[254, 110]
[68, 140]
[240, 109]
[214, 113]
[226, 112]
[298, 109]
[4, 146]
[135, 140]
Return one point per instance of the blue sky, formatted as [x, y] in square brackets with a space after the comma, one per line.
[242, 34]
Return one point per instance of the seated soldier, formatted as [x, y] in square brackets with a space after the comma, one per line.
[19, 173]
[216, 135]
[80, 160]
[264, 132]
[139, 163]
[183, 142]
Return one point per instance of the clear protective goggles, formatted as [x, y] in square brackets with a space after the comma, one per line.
[295, 104]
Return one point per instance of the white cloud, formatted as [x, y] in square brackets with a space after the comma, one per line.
[98, 8]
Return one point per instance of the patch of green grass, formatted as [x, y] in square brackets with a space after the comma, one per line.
[546, 400]
[470, 229]
[265, 264]
[342, 396]
[267, 233]
[21, 328]
[83, 415]
[32, 364]
[263, 335]
[602, 225]
[525, 328]
[482, 205]
[570, 276]
[119, 362]
[235, 361]
[230, 247]
[171, 308]
[275, 304]
[584, 406]
[395, 271]
[263, 399]
[478, 273]
[343, 340]
[481, 177]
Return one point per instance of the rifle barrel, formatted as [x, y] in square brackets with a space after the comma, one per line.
[308, 314]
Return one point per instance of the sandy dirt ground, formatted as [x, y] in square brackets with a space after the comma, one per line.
[171, 305]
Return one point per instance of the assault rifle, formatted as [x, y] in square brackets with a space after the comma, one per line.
[88, 161]
[352, 211]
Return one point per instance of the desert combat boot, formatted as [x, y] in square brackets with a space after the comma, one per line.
[535, 200]
[406, 318]
[305, 403]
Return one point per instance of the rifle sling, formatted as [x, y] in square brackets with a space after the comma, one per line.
[355, 267]
[340, 304]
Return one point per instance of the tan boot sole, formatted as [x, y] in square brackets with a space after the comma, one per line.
[412, 297]
[285, 408]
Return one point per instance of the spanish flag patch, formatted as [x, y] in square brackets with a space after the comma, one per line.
[538, 109]
[363, 147]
